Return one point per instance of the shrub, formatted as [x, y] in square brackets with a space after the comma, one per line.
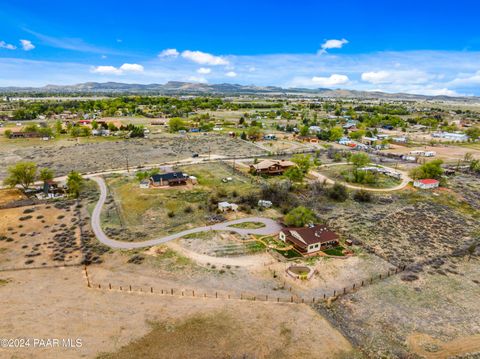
[188, 209]
[171, 214]
[338, 192]
[362, 196]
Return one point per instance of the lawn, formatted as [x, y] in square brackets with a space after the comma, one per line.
[291, 253]
[336, 251]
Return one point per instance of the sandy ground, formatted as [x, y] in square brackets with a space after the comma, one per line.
[447, 153]
[10, 195]
[55, 303]
[431, 348]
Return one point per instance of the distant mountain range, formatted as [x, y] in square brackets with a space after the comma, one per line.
[188, 88]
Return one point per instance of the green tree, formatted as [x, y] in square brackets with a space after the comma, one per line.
[294, 174]
[432, 169]
[336, 133]
[254, 133]
[473, 133]
[304, 131]
[176, 124]
[46, 174]
[357, 135]
[74, 183]
[299, 217]
[303, 162]
[8, 133]
[22, 173]
[359, 159]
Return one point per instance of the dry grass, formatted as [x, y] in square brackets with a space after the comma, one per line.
[10, 195]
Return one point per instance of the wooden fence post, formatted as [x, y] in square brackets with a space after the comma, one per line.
[130, 288]
[151, 289]
[171, 291]
[109, 285]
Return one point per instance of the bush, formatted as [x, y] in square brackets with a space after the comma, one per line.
[188, 209]
[362, 196]
[338, 192]
[171, 214]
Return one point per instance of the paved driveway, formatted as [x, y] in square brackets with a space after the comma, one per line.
[271, 227]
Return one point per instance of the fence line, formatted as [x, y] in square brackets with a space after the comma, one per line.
[225, 295]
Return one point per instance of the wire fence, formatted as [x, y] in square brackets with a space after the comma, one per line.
[241, 296]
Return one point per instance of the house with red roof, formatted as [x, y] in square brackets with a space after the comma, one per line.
[310, 239]
[427, 183]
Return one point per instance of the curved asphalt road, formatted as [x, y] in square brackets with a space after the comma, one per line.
[271, 226]
[404, 177]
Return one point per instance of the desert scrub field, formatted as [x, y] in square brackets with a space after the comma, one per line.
[444, 307]
[103, 155]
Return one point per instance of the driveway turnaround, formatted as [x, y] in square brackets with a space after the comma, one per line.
[404, 177]
[271, 227]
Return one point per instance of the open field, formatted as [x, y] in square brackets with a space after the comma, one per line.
[448, 153]
[436, 317]
[40, 304]
[107, 154]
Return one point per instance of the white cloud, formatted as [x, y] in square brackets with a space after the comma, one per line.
[106, 70]
[466, 80]
[204, 70]
[27, 45]
[112, 70]
[204, 58]
[333, 44]
[332, 80]
[376, 77]
[231, 74]
[131, 68]
[169, 53]
[4, 45]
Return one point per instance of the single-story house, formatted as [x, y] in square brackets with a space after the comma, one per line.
[426, 183]
[309, 139]
[227, 206]
[310, 239]
[271, 167]
[168, 179]
[25, 135]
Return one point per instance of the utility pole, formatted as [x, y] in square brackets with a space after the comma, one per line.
[126, 159]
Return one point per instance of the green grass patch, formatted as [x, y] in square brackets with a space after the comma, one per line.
[291, 253]
[336, 251]
[248, 225]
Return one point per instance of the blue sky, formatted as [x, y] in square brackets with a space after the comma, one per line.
[427, 47]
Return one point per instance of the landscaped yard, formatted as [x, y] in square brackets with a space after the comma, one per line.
[336, 251]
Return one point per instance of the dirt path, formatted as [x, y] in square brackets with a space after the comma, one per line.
[321, 177]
